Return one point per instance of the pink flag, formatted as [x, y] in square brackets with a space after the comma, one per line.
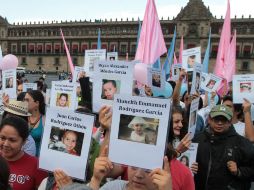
[219, 69]
[151, 42]
[181, 51]
[230, 61]
[68, 54]
[175, 59]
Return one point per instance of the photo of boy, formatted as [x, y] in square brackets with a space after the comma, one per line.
[66, 141]
[9, 82]
[245, 87]
[139, 129]
[211, 84]
[62, 100]
[156, 80]
[191, 61]
[109, 89]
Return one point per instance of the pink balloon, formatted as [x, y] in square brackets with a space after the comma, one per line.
[9, 62]
[140, 73]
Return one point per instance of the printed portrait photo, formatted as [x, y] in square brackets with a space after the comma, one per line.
[189, 78]
[135, 88]
[211, 84]
[63, 100]
[193, 118]
[66, 141]
[138, 129]
[245, 87]
[197, 83]
[112, 58]
[191, 61]
[92, 61]
[156, 80]
[110, 88]
[185, 159]
[9, 82]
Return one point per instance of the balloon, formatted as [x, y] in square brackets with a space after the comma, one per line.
[140, 73]
[167, 92]
[9, 62]
[216, 99]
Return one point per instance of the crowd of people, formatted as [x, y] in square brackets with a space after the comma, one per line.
[224, 133]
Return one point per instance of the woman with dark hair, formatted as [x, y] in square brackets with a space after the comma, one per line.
[23, 167]
[36, 106]
[4, 174]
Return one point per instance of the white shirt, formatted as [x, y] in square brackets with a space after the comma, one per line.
[240, 128]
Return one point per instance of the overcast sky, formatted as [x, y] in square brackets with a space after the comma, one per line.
[49, 10]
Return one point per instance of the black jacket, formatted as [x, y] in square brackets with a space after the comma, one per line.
[214, 151]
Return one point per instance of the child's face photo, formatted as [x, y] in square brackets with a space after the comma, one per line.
[138, 129]
[211, 84]
[197, 82]
[63, 100]
[191, 61]
[66, 141]
[70, 140]
[245, 87]
[109, 89]
[156, 81]
[9, 82]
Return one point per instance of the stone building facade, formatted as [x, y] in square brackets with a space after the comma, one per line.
[39, 45]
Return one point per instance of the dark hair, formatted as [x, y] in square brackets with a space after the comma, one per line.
[108, 81]
[38, 97]
[65, 95]
[183, 131]
[19, 124]
[41, 78]
[21, 96]
[227, 98]
[4, 174]
[39, 84]
[237, 107]
[8, 114]
[187, 160]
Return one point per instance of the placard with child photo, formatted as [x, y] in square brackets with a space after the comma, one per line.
[243, 87]
[63, 95]
[29, 86]
[66, 135]
[156, 79]
[139, 123]
[92, 56]
[111, 79]
[77, 73]
[196, 78]
[211, 84]
[176, 68]
[112, 56]
[193, 117]
[9, 82]
[190, 57]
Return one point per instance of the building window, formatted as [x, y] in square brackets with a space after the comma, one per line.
[57, 61]
[56, 68]
[133, 49]
[31, 48]
[68, 46]
[23, 61]
[14, 48]
[39, 61]
[104, 46]
[75, 61]
[75, 48]
[48, 48]
[214, 51]
[113, 47]
[94, 46]
[84, 47]
[246, 51]
[57, 48]
[23, 48]
[190, 46]
[39, 49]
[237, 51]
[245, 66]
[123, 48]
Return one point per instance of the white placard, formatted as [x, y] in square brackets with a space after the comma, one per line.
[47, 99]
[139, 131]
[176, 71]
[203, 79]
[111, 78]
[112, 56]
[189, 157]
[211, 83]
[63, 94]
[196, 78]
[29, 86]
[66, 142]
[9, 83]
[77, 72]
[91, 57]
[156, 79]
[193, 117]
[243, 87]
[190, 57]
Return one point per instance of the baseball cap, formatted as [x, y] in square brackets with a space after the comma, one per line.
[221, 110]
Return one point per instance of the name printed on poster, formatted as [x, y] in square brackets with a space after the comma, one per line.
[113, 68]
[64, 87]
[59, 118]
[141, 103]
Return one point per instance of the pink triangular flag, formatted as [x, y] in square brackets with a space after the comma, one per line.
[175, 59]
[219, 69]
[68, 54]
[151, 42]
